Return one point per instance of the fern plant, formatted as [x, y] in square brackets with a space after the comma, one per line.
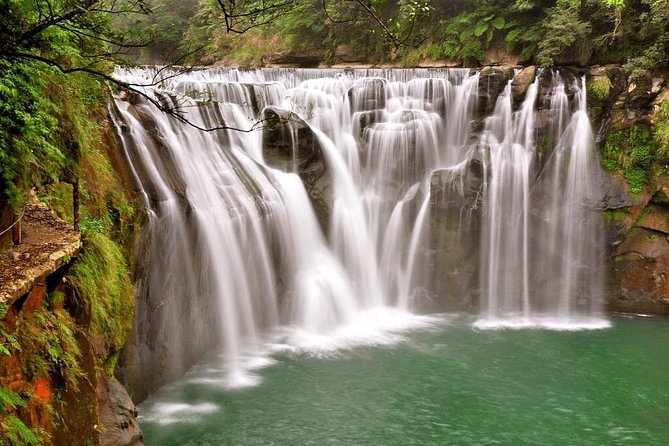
[13, 431]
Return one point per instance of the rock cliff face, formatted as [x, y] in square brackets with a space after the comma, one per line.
[59, 331]
[631, 119]
[453, 245]
[60, 361]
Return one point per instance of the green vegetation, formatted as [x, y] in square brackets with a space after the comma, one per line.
[45, 346]
[543, 32]
[101, 280]
[598, 92]
[54, 58]
[630, 153]
[612, 216]
[662, 132]
[15, 432]
[28, 156]
[49, 345]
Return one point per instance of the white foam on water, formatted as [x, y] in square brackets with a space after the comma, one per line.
[380, 326]
[546, 323]
[169, 413]
[239, 375]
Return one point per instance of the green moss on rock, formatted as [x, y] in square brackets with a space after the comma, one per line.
[101, 279]
[630, 153]
[662, 132]
[598, 91]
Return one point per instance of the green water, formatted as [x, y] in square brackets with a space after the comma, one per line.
[452, 385]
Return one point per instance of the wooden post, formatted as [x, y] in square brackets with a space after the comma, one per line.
[75, 204]
[16, 230]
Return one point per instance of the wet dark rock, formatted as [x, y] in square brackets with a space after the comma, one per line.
[364, 120]
[618, 79]
[289, 144]
[455, 224]
[492, 81]
[613, 190]
[640, 94]
[661, 197]
[119, 418]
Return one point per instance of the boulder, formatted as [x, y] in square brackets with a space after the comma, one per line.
[521, 82]
[118, 417]
[492, 81]
[289, 144]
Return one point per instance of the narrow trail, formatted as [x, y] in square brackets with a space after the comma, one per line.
[48, 243]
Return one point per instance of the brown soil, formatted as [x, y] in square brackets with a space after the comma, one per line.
[46, 244]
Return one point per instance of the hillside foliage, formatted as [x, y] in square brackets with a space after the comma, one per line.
[543, 32]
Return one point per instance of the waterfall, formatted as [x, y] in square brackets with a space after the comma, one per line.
[305, 224]
[542, 253]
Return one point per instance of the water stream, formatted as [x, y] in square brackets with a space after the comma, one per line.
[308, 224]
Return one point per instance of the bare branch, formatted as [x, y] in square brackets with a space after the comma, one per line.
[239, 19]
[176, 111]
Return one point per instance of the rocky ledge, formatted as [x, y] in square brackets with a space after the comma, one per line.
[48, 244]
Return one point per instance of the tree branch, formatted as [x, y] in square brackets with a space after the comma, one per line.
[175, 112]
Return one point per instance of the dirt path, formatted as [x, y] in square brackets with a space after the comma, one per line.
[47, 244]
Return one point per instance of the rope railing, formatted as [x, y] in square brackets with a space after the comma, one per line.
[13, 224]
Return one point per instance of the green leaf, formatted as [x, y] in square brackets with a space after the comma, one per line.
[498, 23]
[480, 29]
[9, 398]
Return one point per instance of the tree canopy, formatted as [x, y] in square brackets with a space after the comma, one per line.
[545, 32]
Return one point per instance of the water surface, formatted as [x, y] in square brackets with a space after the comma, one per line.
[451, 384]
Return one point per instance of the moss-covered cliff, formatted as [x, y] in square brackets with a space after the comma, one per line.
[60, 340]
[632, 116]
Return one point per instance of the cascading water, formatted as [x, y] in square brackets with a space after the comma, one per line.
[331, 248]
[542, 251]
